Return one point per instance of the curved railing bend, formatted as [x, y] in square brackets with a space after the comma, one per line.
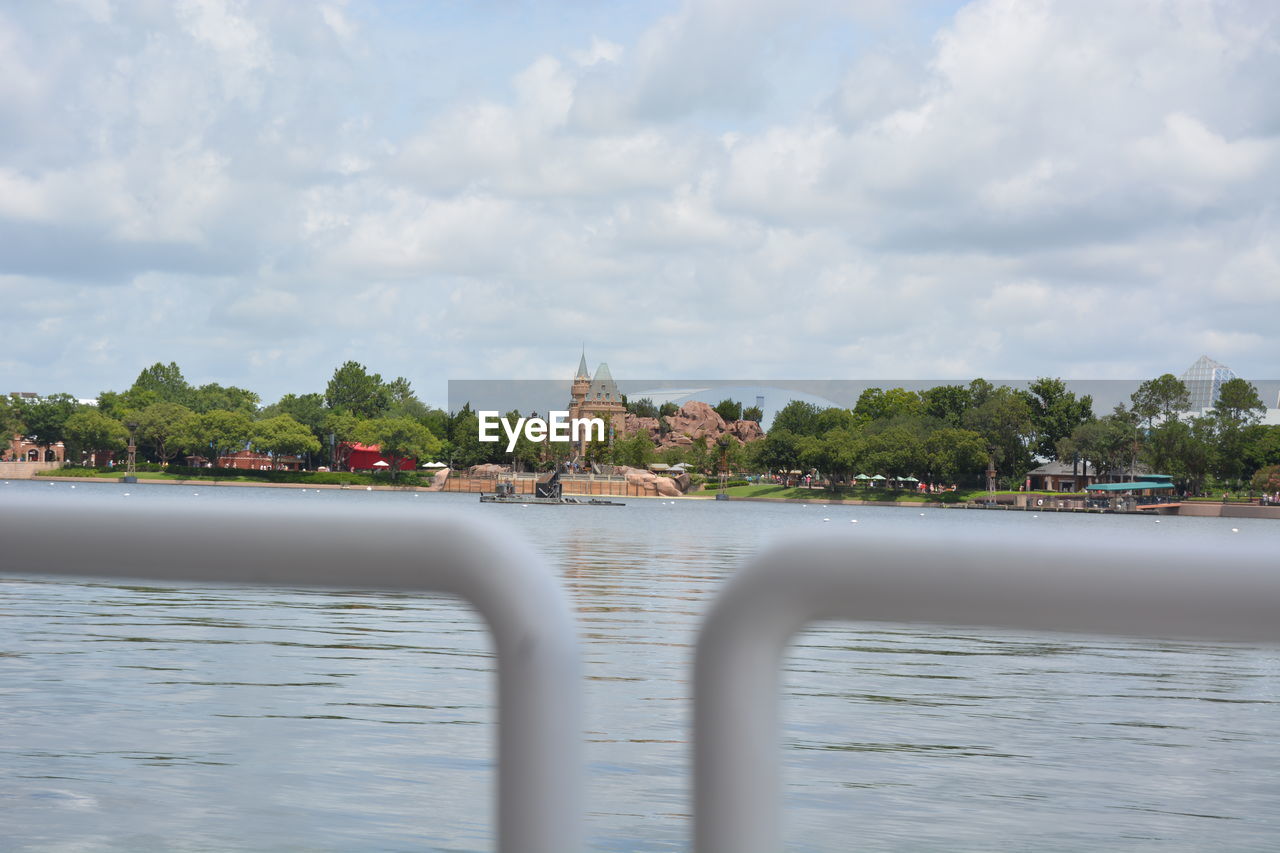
[539, 801]
[1130, 584]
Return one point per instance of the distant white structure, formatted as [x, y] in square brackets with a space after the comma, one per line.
[1204, 380]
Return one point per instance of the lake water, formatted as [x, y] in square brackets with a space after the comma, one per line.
[206, 718]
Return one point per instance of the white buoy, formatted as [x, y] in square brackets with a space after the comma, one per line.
[1235, 530]
[126, 494]
[1157, 521]
[922, 513]
[368, 488]
[853, 521]
[73, 485]
[826, 519]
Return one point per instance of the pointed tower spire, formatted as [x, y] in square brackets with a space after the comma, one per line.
[582, 367]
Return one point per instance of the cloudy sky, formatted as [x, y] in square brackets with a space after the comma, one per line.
[712, 188]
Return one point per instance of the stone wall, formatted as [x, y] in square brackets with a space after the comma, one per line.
[25, 470]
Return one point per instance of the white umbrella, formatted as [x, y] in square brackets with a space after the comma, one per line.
[434, 465]
[381, 464]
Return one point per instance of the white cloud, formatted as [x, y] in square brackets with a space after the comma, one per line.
[829, 180]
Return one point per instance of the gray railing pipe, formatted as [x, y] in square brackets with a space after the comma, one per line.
[540, 760]
[1219, 586]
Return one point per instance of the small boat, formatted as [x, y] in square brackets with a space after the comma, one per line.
[548, 491]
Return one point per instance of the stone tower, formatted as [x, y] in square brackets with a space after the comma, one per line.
[597, 397]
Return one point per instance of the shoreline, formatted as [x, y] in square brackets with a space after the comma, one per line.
[1194, 510]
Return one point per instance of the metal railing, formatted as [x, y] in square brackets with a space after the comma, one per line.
[1137, 585]
[539, 789]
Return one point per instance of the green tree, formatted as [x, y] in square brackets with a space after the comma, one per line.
[283, 436]
[306, 409]
[403, 402]
[1104, 445]
[11, 418]
[796, 417]
[1238, 404]
[1055, 413]
[642, 408]
[955, 455]
[835, 453]
[46, 418]
[668, 408]
[838, 418]
[1004, 421]
[1160, 400]
[1262, 446]
[527, 454]
[1195, 452]
[753, 413]
[729, 410]
[89, 431]
[215, 397]
[339, 427]
[1238, 407]
[635, 450]
[119, 406]
[779, 450]
[399, 439]
[353, 389]
[159, 424]
[946, 403]
[875, 404]
[465, 447]
[215, 434]
[165, 381]
[896, 451]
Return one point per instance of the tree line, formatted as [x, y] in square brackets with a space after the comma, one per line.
[952, 433]
[167, 417]
[958, 433]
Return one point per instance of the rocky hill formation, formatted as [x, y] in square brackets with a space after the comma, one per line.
[694, 420]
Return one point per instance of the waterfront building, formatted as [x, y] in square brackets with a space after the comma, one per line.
[366, 457]
[596, 397]
[254, 461]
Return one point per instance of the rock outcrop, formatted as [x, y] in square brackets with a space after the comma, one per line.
[669, 487]
[488, 470]
[693, 421]
[438, 479]
[696, 419]
[746, 431]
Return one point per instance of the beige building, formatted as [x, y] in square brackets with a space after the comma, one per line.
[597, 397]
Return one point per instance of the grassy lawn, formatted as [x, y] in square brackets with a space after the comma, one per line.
[223, 476]
[777, 492]
[92, 474]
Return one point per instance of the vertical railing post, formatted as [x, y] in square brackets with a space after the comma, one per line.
[539, 738]
[1128, 582]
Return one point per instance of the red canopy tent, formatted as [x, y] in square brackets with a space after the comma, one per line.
[362, 457]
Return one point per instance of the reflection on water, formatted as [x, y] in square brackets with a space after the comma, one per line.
[152, 718]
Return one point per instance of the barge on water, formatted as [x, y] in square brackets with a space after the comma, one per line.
[548, 491]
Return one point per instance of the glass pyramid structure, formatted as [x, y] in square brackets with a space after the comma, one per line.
[1203, 380]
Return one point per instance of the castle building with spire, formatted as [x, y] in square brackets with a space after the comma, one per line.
[597, 397]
